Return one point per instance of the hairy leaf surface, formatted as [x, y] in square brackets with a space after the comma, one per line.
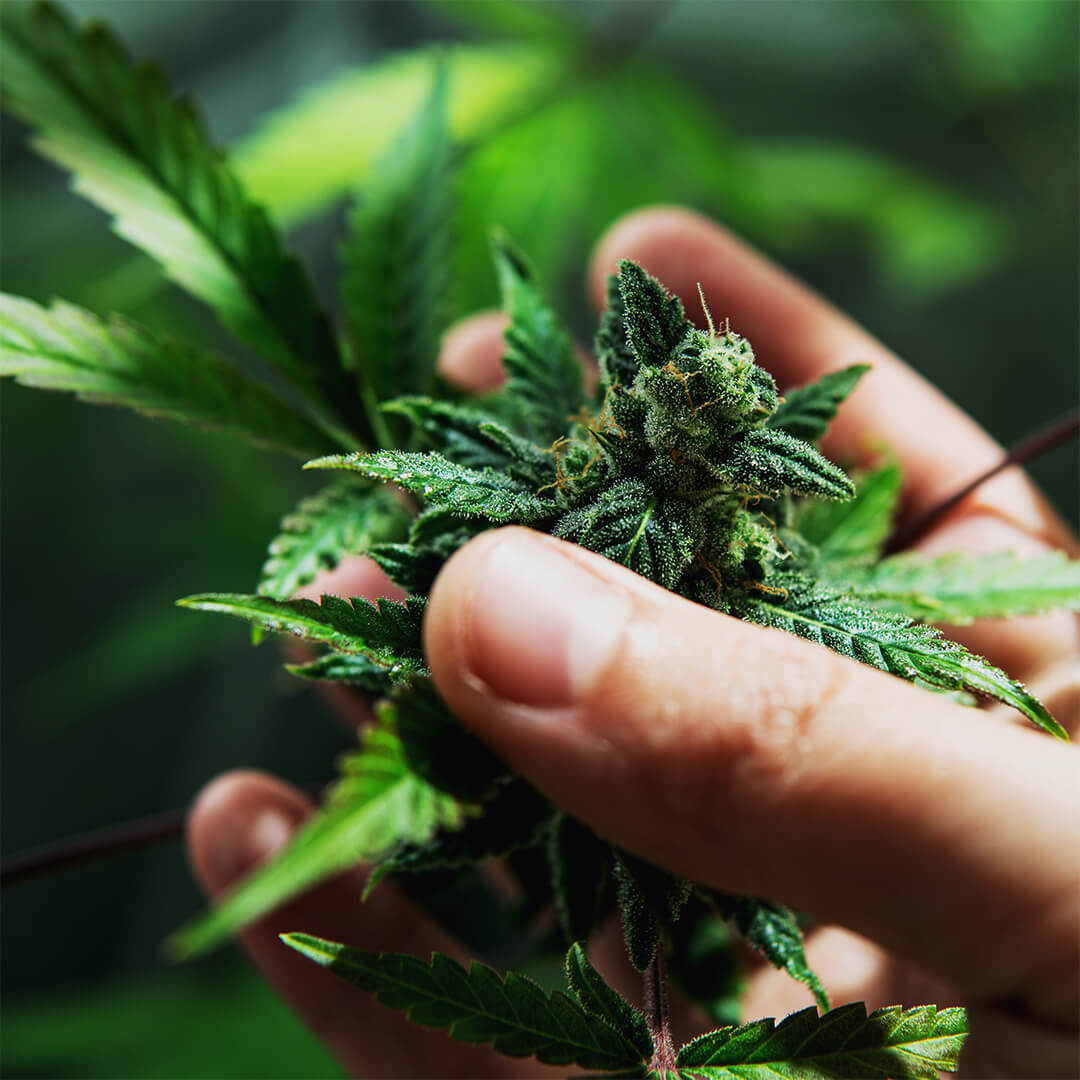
[378, 804]
[444, 486]
[807, 411]
[890, 1042]
[655, 322]
[960, 588]
[340, 520]
[890, 643]
[650, 900]
[119, 362]
[144, 157]
[396, 260]
[771, 462]
[513, 1014]
[605, 1003]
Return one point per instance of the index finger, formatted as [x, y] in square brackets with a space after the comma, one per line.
[798, 336]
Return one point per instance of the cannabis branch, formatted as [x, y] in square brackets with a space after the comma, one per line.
[684, 464]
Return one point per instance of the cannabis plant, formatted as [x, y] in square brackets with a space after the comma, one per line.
[683, 462]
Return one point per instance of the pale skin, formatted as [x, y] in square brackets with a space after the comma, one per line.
[938, 845]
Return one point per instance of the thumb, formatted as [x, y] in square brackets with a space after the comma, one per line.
[748, 759]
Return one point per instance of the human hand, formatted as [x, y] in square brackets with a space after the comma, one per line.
[742, 757]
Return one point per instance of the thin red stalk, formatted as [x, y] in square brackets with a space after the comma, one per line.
[1022, 453]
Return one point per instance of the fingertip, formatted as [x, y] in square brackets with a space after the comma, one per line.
[237, 822]
[472, 351]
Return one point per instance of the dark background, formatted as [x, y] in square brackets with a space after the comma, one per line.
[916, 162]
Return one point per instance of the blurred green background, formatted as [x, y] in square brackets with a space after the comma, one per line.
[916, 162]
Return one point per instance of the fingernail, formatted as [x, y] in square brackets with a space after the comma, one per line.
[240, 844]
[540, 629]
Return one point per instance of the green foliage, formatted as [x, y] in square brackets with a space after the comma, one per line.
[119, 362]
[477, 1006]
[143, 157]
[396, 260]
[378, 804]
[889, 1042]
[890, 643]
[342, 519]
[807, 411]
[650, 901]
[958, 589]
[774, 931]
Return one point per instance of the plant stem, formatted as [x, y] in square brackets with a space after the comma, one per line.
[1023, 452]
[656, 1014]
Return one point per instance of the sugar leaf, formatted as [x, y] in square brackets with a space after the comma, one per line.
[605, 1003]
[396, 261]
[774, 931]
[340, 520]
[144, 157]
[387, 631]
[377, 805]
[771, 462]
[655, 322]
[807, 411]
[514, 1014]
[650, 900]
[891, 643]
[581, 876]
[445, 486]
[959, 588]
[119, 362]
[852, 531]
[889, 1043]
[544, 377]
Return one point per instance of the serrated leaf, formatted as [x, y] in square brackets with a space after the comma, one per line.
[959, 588]
[892, 643]
[655, 322]
[628, 523]
[514, 1014]
[144, 157]
[581, 876]
[447, 487]
[617, 361]
[771, 462]
[340, 520]
[650, 900]
[377, 805]
[853, 531]
[396, 261]
[889, 1043]
[388, 631]
[605, 1003]
[515, 818]
[470, 436]
[807, 411]
[774, 931]
[356, 669]
[119, 362]
[544, 378]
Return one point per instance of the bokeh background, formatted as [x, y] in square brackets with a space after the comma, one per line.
[916, 162]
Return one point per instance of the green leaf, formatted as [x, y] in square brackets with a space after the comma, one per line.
[377, 805]
[889, 1043]
[892, 643]
[144, 157]
[387, 631]
[581, 876]
[771, 462]
[807, 411]
[477, 1006]
[397, 261]
[606, 1004]
[517, 817]
[340, 520]
[630, 524]
[316, 149]
[119, 362]
[655, 322]
[445, 486]
[773, 931]
[544, 377]
[650, 900]
[853, 531]
[356, 669]
[959, 588]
